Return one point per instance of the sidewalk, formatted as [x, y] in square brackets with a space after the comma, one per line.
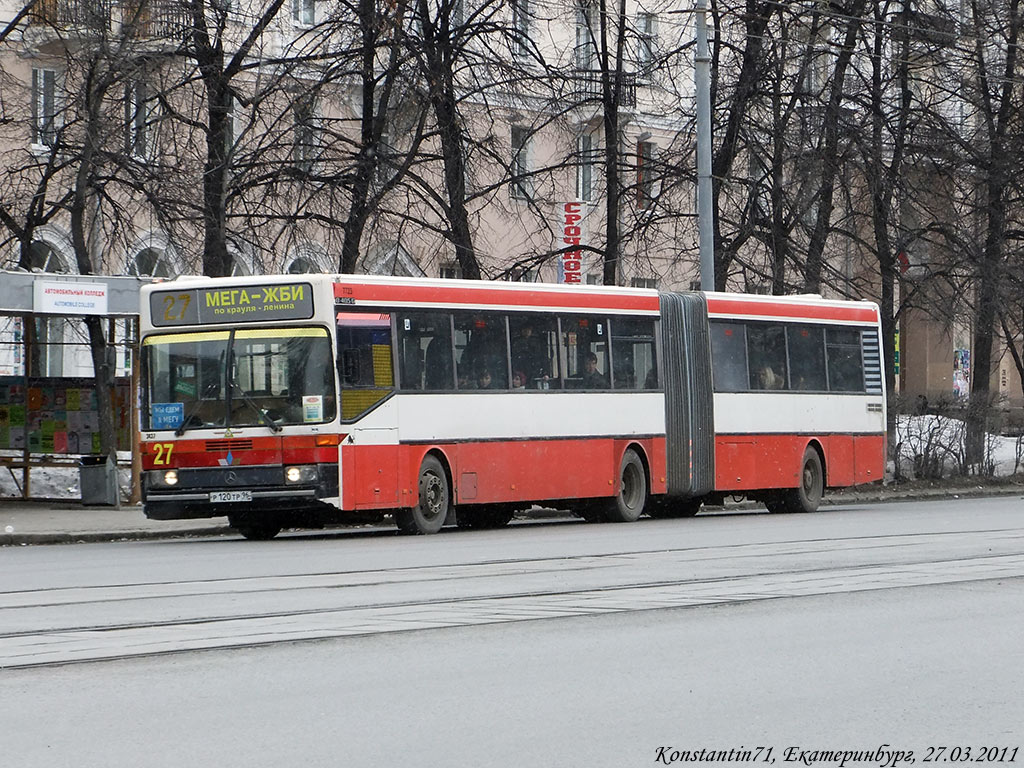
[67, 521]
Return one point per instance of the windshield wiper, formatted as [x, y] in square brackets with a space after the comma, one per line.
[189, 415]
[255, 406]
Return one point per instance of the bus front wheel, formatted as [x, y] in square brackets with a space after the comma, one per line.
[435, 501]
[628, 504]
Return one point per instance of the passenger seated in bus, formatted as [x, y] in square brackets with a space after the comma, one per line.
[483, 379]
[593, 378]
[438, 363]
[518, 380]
[768, 379]
[529, 355]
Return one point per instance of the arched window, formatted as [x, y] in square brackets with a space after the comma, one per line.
[53, 349]
[301, 266]
[393, 259]
[45, 258]
[151, 262]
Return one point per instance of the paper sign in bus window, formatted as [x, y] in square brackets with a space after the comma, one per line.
[312, 408]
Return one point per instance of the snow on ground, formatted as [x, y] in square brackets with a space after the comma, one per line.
[937, 437]
[57, 482]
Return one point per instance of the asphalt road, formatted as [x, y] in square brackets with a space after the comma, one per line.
[542, 644]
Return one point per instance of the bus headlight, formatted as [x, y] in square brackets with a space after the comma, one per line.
[171, 477]
[301, 474]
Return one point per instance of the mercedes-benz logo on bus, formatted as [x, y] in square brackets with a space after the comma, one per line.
[230, 478]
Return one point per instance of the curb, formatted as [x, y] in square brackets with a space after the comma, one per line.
[91, 537]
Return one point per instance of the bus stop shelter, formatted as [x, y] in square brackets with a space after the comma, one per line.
[53, 420]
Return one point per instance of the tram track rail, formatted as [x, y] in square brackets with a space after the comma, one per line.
[75, 624]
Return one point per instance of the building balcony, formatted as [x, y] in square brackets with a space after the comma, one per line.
[156, 19]
[64, 20]
[586, 86]
[60, 19]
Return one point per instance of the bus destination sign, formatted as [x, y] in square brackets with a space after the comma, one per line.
[244, 303]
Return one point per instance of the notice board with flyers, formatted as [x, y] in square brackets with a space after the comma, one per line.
[59, 415]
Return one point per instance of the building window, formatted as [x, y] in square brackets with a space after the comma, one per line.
[644, 175]
[586, 47]
[44, 107]
[523, 275]
[450, 271]
[150, 262]
[595, 280]
[695, 285]
[521, 27]
[302, 266]
[644, 282]
[138, 118]
[232, 127]
[646, 31]
[305, 134]
[520, 187]
[304, 12]
[585, 167]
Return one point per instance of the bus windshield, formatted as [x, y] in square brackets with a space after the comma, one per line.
[269, 377]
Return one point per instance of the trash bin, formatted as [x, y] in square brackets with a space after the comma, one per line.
[97, 477]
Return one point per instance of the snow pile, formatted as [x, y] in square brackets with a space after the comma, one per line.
[934, 446]
[56, 482]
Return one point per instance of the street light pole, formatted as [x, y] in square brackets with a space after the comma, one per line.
[705, 214]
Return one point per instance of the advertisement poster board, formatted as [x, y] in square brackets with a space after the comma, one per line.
[59, 415]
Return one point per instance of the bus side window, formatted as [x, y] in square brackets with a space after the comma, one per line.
[729, 357]
[481, 348]
[806, 357]
[633, 363]
[845, 365]
[585, 352]
[425, 351]
[534, 350]
[766, 350]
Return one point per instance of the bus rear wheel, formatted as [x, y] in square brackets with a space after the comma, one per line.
[254, 529]
[435, 501]
[628, 504]
[807, 496]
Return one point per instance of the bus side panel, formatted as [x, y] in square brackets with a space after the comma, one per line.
[839, 460]
[370, 477]
[534, 470]
[869, 458]
[753, 462]
[496, 471]
[735, 463]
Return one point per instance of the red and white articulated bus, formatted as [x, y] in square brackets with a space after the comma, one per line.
[300, 400]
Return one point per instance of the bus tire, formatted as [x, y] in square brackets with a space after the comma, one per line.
[665, 508]
[254, 529]
[807, 496]
[628, 504]
[435, 501]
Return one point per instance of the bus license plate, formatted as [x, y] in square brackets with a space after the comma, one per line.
[222, 496]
